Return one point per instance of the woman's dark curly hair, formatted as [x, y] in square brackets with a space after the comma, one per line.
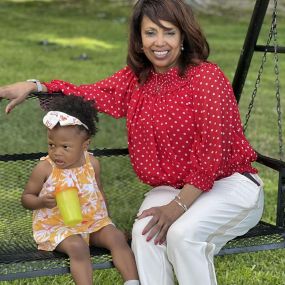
[79, 108]
[180, 14]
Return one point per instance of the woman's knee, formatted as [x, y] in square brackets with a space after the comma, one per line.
[192, 232]
[138, 227]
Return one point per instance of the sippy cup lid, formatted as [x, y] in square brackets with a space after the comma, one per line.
[63, 188]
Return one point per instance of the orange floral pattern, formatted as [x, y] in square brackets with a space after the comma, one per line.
[48, 226]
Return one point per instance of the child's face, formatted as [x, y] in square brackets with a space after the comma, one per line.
[66, 146]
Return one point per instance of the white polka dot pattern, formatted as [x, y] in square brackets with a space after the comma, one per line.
[180, 129]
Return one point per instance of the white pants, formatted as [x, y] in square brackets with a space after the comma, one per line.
[230, 209]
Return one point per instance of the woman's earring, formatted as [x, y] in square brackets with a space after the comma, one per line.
[182, 47]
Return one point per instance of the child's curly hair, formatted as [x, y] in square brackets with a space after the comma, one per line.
[79, 108]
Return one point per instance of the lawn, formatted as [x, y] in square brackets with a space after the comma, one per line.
[85, 41]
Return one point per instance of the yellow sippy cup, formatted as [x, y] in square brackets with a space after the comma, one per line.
[69, 206]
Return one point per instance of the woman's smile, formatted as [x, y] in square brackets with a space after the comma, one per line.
[161, 54]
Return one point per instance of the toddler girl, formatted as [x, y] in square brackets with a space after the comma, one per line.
[70, 125]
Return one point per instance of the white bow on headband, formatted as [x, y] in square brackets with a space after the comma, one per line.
[52, 118]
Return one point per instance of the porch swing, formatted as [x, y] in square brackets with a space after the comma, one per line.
[265, 235]
[19, 257]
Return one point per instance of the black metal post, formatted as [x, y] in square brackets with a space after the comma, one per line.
[249, 45]
[280, 217]
[271, 49]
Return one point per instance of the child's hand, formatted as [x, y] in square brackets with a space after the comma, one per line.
[48, 201]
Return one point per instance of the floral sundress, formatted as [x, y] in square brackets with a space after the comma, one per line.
[48, 226]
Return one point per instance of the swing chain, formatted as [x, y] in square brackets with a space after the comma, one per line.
[277, 82]
[256, 85]
[272, 34]
[258, 79]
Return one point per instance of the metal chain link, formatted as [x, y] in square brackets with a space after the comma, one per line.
[272, 34]
[277, 83]
[260, 71]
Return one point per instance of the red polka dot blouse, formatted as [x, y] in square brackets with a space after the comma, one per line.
[181, 130]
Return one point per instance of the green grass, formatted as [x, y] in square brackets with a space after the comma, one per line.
[100, 31]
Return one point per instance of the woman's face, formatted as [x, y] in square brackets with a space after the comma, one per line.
[162, 46]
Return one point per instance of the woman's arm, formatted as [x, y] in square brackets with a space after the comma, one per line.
[30, 197]
[111, 95]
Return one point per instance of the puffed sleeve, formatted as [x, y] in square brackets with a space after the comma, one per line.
[215, 110]
[111, 95]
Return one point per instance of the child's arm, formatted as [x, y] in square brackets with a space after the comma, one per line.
[30, 197]
[96, 166]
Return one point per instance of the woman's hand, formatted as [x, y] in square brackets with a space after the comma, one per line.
[16, 93]
[162, 218]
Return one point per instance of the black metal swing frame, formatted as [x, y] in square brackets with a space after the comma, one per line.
[250, 46]
[262, 230]
[264, 236]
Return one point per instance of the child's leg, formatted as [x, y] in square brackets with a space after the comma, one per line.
[80, 265]
[111, 238]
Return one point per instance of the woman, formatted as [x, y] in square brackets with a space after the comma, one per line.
[185, 140]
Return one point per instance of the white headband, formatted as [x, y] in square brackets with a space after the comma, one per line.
[52, 118]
